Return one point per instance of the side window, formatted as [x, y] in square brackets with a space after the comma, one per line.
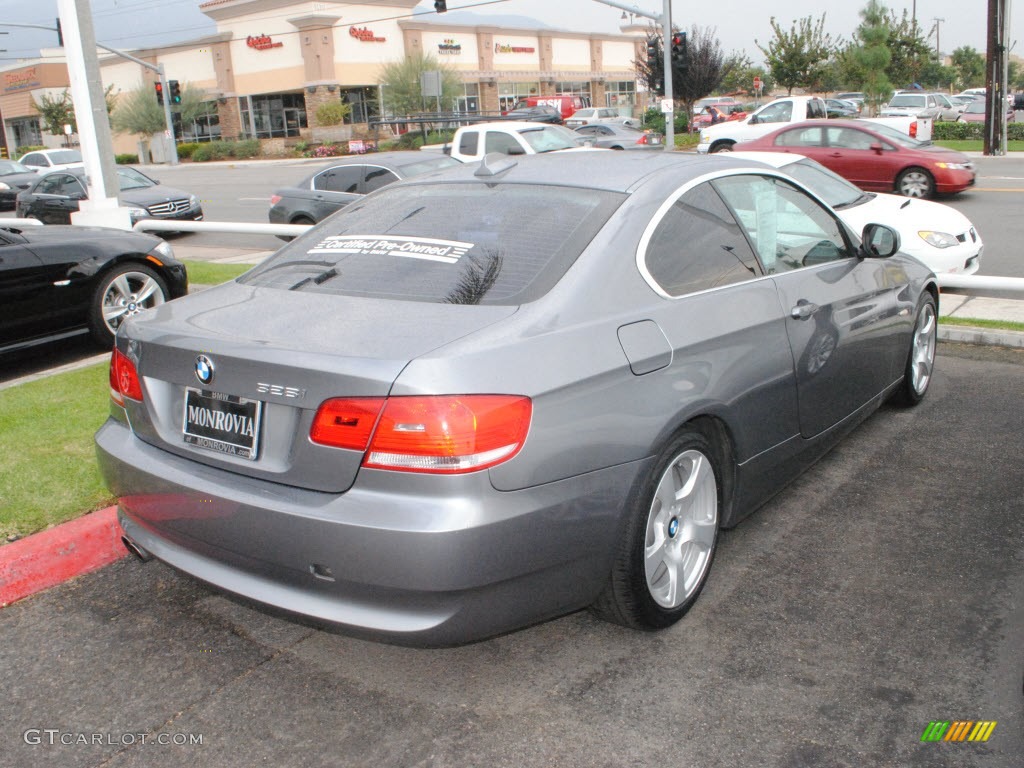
[789, 229]
[698, 245]
[799, 137]
[71, 187]
[777, 113]
[32, 159]
[377, 178]
[50, 185]
[848, 138]
[816, 109]
[342, 178]
[469, 142]
[501, 142]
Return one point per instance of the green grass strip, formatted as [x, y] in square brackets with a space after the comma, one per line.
[49, 465]
[212, 273]
[976, 145]
[974, 322]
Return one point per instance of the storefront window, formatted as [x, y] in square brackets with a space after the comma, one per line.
[365, 103]
[575, 88]
[25, 132]
[621, 95]
[510, 93]
[205, 127]
[272, 116]
[470, 100]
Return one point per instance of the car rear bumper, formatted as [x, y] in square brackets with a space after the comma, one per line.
[416, 566]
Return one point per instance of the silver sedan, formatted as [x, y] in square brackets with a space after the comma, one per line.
[477, 400]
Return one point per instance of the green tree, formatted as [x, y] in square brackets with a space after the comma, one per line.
[138, 112]
[798, 58]
[909, 51]
[866, 59]
[969, 66]
[738, 73]
[401, 81]
[56, 112]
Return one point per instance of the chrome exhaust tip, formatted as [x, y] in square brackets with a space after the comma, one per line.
[136, 550]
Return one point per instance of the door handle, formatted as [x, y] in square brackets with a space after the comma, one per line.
[803, 310]
[836, 154]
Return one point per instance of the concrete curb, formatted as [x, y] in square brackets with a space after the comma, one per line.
[53, 556]
[986, 336]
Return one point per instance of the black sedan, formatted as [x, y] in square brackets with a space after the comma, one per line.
[619, 136]
[56, 195]
[333, 187]
[14, 178]
[57, 282]
[538, 114]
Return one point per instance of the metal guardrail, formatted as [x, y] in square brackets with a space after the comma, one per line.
[991, 286]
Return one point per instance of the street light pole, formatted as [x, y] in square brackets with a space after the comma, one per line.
[664, 19]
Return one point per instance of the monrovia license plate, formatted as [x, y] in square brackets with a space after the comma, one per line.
[222, 423]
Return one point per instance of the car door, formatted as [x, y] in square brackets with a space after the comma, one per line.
[57, 197]
[849, 153]
[335, 188]
[842, 314]
[24, 292]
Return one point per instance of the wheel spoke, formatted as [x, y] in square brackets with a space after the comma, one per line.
[112, 315]
[121, 286]
[147, 290]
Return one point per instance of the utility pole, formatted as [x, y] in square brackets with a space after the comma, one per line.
[664, 19]
[938, 51]
[996, 72]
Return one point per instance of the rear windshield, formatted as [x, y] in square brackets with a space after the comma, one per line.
[907, 101]
[455, 243]
[426, 166]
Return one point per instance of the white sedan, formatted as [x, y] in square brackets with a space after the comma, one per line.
[937, 235]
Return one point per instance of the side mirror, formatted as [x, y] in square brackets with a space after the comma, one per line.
[516, 150]
[754, 120]
[877, 147]
[879, 241]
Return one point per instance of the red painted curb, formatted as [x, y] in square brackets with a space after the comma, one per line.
[53, 556]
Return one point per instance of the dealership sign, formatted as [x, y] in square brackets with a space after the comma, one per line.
[26, 78]
[261, 42]
[500, 48]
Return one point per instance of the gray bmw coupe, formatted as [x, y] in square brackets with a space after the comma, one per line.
[476, 400]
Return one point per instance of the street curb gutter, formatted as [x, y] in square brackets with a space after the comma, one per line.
[986, 336]
[53, 556]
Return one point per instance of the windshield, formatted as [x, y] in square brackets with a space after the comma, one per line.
[896, 137]
[9, 166]
[129, 178]
[833, 189]
[65, 156]
[454, 243]
[550, 138]
[907, 100]
[975, 108]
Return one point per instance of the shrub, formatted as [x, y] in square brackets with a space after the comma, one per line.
[126, 159]
[26, 149]
[202, 153]
[332, 113]
[943, 131]
[247, 148]
[186, 149]
[326, 150]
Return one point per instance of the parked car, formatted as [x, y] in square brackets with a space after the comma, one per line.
[60, 281]
[857, 97]
[727, 104]
[619, 136]
[915, 104]
[483, 398]
[873, 156]
[840, 108]
[330, 188]
[598, 115]
[46, 160]
[541, 113]
[56, 195]
[975, 113]
[937, 235]
[14, 178]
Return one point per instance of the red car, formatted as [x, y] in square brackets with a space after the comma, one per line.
[872, 156]
[975, 113]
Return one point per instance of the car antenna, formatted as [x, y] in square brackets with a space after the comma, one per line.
[494, 163]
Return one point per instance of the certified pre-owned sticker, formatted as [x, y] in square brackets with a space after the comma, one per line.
[431, 249]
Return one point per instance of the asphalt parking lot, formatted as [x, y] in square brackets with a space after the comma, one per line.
[880, 592]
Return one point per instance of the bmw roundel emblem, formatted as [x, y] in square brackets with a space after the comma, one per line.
[204, 369]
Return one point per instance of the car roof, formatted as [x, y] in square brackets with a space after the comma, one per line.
[615, 171]
[395, 159]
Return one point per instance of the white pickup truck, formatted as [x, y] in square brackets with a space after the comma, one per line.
[509, 137]
[793, 109]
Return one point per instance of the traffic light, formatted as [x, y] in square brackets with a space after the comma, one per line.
[159, 92]
[440, 6]
[175, 91]
[679, 50]
[652, 53]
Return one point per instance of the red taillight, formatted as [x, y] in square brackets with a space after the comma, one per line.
[124, 378]
[446, 434]
[274, 200]
[346, 423]
[642, 139]
[913, 129]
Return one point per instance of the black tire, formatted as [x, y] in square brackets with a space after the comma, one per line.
[920, 365]
[299, 220]
[915, 182]
[125, 290]
[722, 146]
[665, 545]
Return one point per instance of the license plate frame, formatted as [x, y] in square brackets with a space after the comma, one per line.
[236, 433]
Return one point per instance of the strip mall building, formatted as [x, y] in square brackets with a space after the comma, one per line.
[272, 63]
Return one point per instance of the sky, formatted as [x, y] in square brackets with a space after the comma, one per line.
[133, 24]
